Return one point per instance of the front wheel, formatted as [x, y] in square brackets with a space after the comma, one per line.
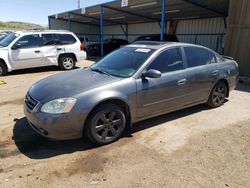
[106, 124]
[218, 95]
[67, 62]
[3, 69]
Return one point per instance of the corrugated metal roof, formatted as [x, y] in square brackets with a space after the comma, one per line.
[139, 11]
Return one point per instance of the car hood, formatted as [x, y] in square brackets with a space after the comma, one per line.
[69, 84]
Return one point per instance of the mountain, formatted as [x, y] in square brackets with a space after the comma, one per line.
[19, 26]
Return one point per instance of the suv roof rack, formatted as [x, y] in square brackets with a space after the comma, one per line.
[44, 30]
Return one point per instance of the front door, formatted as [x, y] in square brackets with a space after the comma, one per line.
[26, 52]
[167, 93]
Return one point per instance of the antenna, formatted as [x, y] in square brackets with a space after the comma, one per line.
[79, 3]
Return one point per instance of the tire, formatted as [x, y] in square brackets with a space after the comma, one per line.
[67, 62]
[3, 69]
[106, 124]
[218, 95]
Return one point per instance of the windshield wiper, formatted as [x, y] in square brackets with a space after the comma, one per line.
[100, 71]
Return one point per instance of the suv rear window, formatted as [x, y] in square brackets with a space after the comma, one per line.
[58, 39]
[65, 38]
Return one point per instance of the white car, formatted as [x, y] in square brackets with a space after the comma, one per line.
[28, 49]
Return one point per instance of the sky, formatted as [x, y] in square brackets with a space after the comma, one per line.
[37, 11]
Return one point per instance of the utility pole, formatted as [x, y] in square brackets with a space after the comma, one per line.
[79, 4]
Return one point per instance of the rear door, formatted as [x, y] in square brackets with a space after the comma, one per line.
[52, 47]
[167, 93]
[202, 72]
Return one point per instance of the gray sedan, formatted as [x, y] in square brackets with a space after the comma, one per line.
[133, 83]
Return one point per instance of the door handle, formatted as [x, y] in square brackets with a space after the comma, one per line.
[37, 51]
[182, 81]
[215, 73]
[59, 49]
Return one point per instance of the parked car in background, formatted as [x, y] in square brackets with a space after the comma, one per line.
[131, 84]
[85, 42]
[109, 46]
[28, 49]
[157, 37]
[4, 33]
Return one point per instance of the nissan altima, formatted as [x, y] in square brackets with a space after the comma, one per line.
[131, 84]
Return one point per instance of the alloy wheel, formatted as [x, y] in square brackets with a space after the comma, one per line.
[68, 63]
[219, 95]
[109, 124]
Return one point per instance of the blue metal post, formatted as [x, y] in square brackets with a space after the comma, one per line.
[69, 22]
[163, 11]
[127, 32]
[101, 30]
[49, 22]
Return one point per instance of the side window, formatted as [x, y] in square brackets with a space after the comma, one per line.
[48, 39]
[168, 61]
[197, 56]
[213, 58]
[29, 41]
[65, 38]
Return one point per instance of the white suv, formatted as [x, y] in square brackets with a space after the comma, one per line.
[27, 49]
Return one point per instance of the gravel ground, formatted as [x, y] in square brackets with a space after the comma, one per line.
[194, 147]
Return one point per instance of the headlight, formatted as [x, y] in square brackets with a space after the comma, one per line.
[59, 106]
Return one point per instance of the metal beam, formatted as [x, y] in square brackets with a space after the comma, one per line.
[90, 17]
[163, 10]
[205, 7]
[69, 22]
[74, 21]
[101, 30]
[225, 22]
[131, 13]
[127, 32]
[49, 23]
[124, 31]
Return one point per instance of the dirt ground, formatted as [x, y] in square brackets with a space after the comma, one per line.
[195, 147]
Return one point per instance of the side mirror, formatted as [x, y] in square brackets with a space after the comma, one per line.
[16, 46]
[152, 73]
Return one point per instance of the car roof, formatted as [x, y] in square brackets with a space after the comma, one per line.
[158, 45]
[42, 31]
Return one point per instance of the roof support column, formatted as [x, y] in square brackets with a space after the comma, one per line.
[127, 32]
[163, 11]
[101, 30]
[69, 22]
[49, 22]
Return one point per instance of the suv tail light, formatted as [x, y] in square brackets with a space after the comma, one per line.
[82, 47]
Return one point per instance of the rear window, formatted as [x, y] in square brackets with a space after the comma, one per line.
[65, 38]
[197, 56]
[58, 39]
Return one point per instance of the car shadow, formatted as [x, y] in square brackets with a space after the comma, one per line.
[36, 70]
[35, 146]
[155, 121]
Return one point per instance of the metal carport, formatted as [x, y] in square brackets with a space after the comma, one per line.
[166, 13]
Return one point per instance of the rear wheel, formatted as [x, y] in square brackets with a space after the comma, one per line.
[106, 124]
[218, 95]
[3, 69]
[67, 62]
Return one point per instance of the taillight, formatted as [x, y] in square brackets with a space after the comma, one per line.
[82, 47]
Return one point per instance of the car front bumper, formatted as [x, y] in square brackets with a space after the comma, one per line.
[54, 126]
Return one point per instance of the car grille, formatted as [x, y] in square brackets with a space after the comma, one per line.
[30, 102]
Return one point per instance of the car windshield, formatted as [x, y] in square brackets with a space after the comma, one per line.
[123, 62]
[8, 39]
